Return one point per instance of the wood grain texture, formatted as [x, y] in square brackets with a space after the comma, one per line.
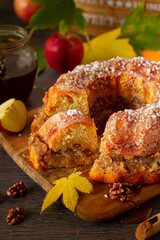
[91, 207]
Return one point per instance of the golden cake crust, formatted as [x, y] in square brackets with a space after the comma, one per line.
[130, 135]
[62, 97]
[136, 77]
[136, 172]
[64, 141]
[39, 119]
[136, 80]
[133, 133]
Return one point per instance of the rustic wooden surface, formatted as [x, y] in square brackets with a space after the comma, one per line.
[57, 222]
[91, 207]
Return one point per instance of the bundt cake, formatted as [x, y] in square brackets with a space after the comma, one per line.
[102, 88]
[64, 140]
[129, 149]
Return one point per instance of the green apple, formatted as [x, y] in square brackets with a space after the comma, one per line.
[13, 115]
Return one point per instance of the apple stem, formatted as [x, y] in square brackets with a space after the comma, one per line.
[30, 33]
[63, 34]
[87, 37]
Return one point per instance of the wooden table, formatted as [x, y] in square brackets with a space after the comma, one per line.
[56, 222]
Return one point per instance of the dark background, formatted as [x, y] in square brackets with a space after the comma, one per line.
[56, 222]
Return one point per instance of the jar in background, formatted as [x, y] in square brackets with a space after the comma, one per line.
[18, 64]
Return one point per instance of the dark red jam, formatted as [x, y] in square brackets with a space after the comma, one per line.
[18, 64]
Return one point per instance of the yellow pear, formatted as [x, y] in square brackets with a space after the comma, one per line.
[13, 115]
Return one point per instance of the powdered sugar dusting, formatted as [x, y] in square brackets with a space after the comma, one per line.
[73, 112]
[134, 131]
[97, 74]
[150, 111]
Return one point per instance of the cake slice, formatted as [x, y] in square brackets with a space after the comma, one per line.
[67, 139]
[129, 149]
[60, 98]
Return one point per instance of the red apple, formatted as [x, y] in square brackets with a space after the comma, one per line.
[63, 53]
[24, 9]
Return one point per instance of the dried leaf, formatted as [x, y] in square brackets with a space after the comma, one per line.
[67, 186]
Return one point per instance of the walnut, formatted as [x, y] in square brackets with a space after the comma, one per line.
[1, 197]
[15, 215]
[18, 189]
[121, 191]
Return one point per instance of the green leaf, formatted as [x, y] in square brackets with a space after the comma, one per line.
[143, 30]
[80, 20]
[48, 16]
[67, 21]
[133, 21]
[151, 24]
[42, 62]
[136, 47]
[146, 41]
[137, 23]
[57, 12]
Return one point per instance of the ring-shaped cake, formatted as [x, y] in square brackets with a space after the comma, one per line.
[129, 148]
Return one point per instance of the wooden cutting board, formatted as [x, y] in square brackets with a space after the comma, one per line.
[91, 207]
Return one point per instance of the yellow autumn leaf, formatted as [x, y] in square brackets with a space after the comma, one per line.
[70, 195]
[81, 183]
[113, 34]
[67, 186]
[106, 46]
[53, 194]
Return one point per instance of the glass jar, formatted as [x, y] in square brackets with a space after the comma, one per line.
[18, 64]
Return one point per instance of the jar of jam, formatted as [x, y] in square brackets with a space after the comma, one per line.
[18, 64]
